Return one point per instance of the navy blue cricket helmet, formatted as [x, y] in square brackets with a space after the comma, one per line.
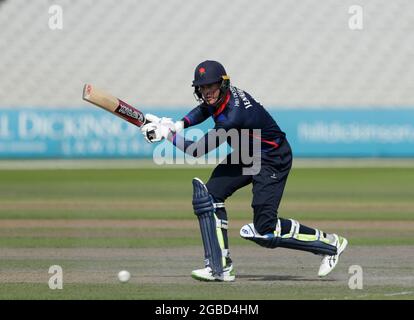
[209, 72]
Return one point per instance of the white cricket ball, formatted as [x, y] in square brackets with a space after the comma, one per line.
[124, 276]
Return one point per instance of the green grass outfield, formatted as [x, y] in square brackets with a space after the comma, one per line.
[95, 222]
[320, 194]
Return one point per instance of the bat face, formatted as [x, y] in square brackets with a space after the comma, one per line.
[114, 105]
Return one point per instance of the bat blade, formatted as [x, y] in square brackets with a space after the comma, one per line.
[114, 105]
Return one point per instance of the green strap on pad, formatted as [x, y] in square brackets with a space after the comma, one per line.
[316, 243]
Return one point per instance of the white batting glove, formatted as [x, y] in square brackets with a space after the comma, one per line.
[155, 132]
[159, 128]
[152, 118]
[179, 125]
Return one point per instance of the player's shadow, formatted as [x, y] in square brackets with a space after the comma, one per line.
[252, 277]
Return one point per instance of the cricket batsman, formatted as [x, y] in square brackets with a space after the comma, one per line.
[234, 109]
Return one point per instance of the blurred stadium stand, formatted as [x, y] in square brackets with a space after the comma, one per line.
[288, 53]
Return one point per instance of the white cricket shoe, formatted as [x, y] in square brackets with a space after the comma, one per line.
[329, 262]
[206, 274]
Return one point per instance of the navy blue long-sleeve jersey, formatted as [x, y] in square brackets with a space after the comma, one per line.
[238, 111]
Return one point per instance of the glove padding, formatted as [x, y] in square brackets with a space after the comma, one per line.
[155, 132]
[153, 118]
[159, 128]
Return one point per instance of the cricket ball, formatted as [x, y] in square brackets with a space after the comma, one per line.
[124, 276]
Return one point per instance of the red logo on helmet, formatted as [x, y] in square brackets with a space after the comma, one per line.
[202, 71]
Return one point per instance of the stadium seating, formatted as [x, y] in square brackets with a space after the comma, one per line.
[288, 53]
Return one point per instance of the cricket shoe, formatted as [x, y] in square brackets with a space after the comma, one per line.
[329, 262]
[206, 274]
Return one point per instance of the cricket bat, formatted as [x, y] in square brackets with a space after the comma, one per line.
[114, 105]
